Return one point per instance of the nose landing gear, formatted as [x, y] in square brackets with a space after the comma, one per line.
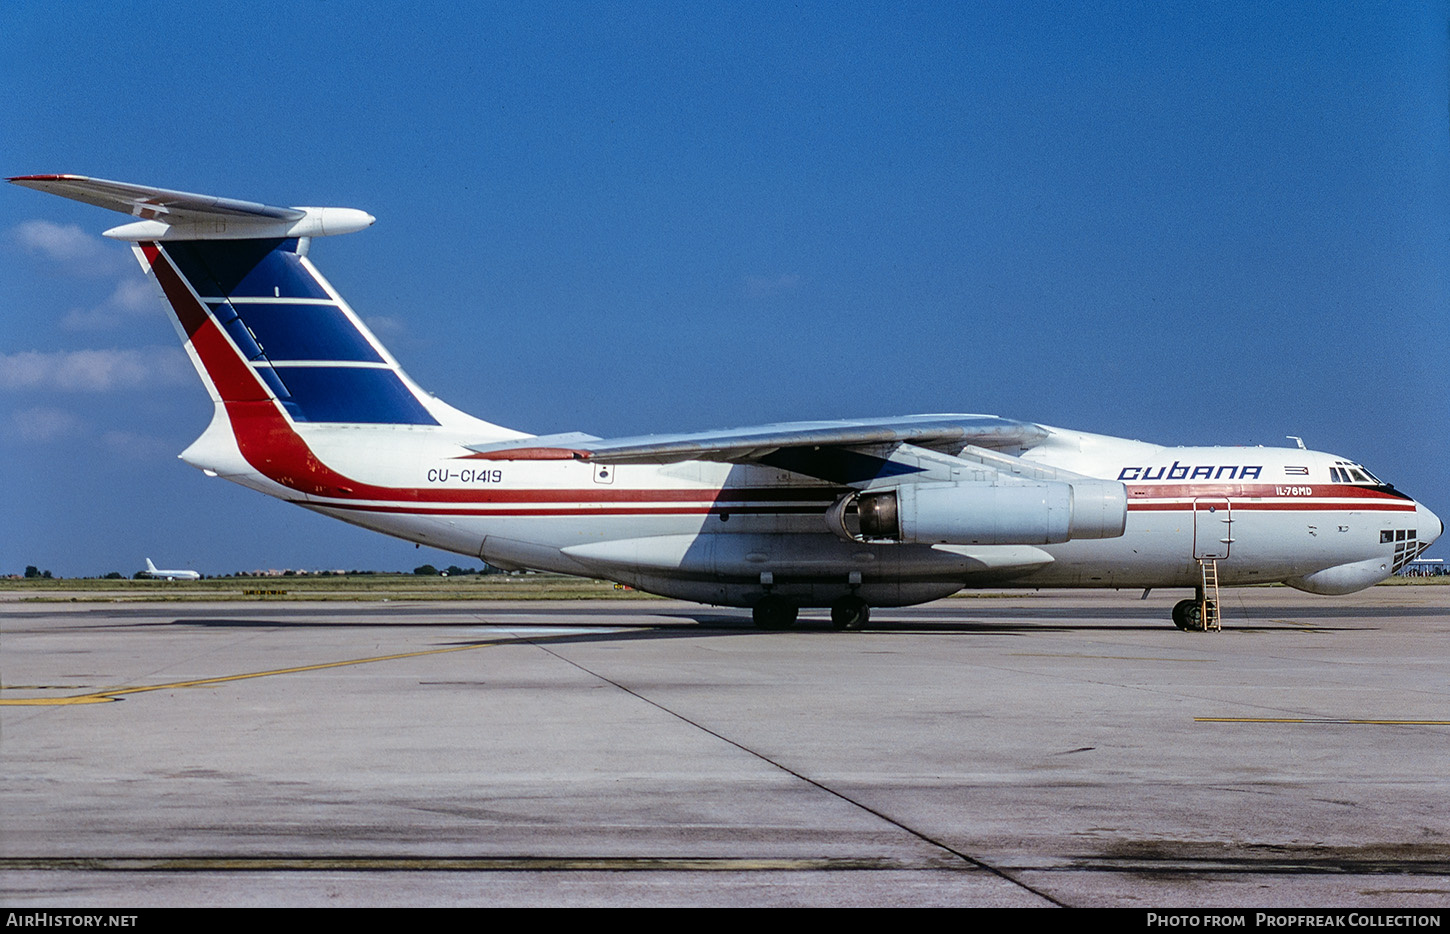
[1188, 616]
[1196, 614]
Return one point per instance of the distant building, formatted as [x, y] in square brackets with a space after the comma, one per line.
[1425, 567]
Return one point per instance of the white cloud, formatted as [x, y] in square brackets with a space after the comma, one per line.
[43, 424]
[72, 251]
[137, 294]
[71, 248]
[760, 286]
[94, 370]
[132, 298]
[134, 446]
[385, 325]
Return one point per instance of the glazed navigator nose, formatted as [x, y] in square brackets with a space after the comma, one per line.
[1428, 526]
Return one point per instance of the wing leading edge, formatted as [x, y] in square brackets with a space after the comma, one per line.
[945, 433]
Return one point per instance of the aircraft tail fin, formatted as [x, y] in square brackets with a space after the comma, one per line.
[260, 321]
[276, 346]
[264, 326]
[150, 567]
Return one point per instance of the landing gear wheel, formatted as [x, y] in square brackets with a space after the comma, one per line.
[1188, 615]
[850, 614]
[774, 613]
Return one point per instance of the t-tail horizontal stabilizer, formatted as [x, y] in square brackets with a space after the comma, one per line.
[181, 215]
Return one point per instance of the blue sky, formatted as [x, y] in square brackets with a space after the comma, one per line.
[1186, 223]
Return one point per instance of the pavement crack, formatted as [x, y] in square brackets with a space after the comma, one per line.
[815, 783]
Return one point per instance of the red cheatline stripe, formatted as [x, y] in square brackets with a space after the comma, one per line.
[1237, 490]
[1281, 506]
[573, 510]
[585, 495]
[577, 510]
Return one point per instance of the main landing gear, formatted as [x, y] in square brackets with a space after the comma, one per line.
[850, 614]
[847, 614]
[774, 613]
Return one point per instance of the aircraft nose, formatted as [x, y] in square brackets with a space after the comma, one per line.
[1428, 525]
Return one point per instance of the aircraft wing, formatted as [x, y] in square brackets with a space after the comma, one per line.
[944, 433]
[840, 451]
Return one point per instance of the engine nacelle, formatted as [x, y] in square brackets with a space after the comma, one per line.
[976, 513]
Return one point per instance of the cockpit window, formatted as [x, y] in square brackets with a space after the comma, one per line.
[1345, 472]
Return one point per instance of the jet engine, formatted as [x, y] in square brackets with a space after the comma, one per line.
[982, 513]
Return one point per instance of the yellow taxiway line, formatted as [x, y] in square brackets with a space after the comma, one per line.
[107, 695]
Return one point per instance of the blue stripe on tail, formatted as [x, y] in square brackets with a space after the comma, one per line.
[246, 285]
[303, 332]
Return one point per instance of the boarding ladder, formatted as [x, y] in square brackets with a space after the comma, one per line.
[1208, 614]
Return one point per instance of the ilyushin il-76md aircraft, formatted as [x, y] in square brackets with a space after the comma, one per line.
[311, 408]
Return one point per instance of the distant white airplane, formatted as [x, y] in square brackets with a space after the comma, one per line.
[312, 409]
[163, 574]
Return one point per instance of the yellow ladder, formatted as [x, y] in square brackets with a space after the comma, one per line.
[1208, 614]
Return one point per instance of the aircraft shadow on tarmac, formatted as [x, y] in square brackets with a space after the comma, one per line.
[688, 624]
[670, 626]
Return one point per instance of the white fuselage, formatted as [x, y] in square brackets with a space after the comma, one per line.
[709, 531]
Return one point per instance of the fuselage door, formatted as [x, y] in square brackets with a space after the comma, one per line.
[1212, 528]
